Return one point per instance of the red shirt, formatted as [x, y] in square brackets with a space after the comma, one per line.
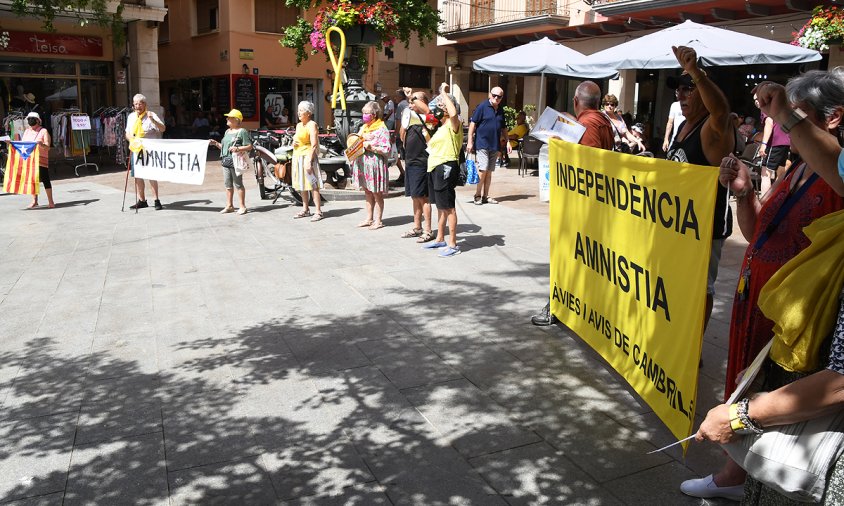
[598, 132]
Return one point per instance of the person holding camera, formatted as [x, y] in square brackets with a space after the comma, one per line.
[443, 171]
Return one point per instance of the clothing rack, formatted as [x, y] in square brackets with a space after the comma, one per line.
[109, 125]
[85, 162]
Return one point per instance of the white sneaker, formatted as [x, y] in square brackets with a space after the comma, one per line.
[706, 488]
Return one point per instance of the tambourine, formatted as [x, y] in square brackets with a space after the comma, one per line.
[355, 147]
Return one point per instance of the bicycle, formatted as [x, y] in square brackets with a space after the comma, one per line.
[270, 156]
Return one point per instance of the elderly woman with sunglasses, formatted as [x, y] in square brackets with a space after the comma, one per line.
[623, 136]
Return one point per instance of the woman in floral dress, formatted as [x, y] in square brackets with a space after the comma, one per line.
[370, 171]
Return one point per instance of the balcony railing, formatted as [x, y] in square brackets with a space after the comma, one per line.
[465, 15]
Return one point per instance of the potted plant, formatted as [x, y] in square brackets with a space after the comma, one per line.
[365, 23]
[826, 27]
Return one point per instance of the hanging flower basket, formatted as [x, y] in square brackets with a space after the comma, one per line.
[826, 27]
[376, 23]
[362, 35]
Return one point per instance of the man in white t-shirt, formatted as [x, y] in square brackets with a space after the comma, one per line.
[675, 119]
[143, 123]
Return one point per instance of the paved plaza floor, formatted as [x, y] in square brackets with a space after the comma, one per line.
[187, 357]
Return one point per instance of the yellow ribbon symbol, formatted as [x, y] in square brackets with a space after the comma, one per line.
[337, 63]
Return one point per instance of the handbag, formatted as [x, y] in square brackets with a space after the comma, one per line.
[471, 170]
[227, 161]
[796, 459]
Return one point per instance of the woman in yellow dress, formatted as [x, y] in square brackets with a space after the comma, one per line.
[306, 176]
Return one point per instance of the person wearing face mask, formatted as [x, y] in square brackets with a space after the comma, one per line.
[36, 133]
[370, 171]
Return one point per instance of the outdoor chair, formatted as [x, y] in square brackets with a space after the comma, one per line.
[750, 157]
[529, 154]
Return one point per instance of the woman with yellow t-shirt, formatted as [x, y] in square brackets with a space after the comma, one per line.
[443, 158]
[305, 174]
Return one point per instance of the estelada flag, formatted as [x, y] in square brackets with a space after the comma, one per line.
[22, 169]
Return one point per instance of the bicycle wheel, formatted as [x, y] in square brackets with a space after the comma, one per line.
[268, 183]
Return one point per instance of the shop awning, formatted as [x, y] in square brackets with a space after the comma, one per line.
[715, 47]
[540, 57]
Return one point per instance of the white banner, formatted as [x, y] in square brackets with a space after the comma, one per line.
[174, 160]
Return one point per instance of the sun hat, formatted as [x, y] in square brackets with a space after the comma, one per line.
[35, 115]
[234, 113]
[29, 97]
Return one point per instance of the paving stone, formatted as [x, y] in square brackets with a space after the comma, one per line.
[370, 493]
[120, 407]
[407, 363]
[309, 470]
[125, 471]
[200, 431]
[41, 500]
[236, 482]
[468, 419]
[45, 386]
[611, 451]
[325, 353]
[34, 455]
[538, 474]
[415, 471]
[668, 478]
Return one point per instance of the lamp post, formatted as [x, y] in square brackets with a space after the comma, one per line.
[358, 39]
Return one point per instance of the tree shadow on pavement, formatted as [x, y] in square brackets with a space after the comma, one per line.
[420, 400]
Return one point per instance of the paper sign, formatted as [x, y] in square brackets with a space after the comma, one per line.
[557, 124]
[80, 122]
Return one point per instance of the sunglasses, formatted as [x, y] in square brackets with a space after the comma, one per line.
[684, 90]
[413, 99]
[499, 97]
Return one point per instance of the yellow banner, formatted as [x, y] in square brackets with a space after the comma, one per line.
[630, 243]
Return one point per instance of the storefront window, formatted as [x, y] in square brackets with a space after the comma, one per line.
[276, 97]
[49, 86]
[94, 68]
[48, 67]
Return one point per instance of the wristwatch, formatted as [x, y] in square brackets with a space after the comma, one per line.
[797, 115]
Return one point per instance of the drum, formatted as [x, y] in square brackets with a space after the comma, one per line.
[355, 147]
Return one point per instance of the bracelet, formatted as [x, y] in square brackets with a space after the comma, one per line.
[740, 196]
[735, 422]
[764, 143]
[696, 79]
[749, 423]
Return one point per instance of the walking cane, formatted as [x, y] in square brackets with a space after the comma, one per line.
[126, 186]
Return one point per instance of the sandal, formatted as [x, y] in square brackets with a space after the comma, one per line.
[365, 223]
[376, 226]
[413, 232]
[427, 236]
[301, 214]
[317, 216]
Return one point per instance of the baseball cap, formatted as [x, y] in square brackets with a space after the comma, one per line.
[234, 113]
[675, 82]
[34, 115]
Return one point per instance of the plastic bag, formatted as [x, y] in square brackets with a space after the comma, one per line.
[471, 170]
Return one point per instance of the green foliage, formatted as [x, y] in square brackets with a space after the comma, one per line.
[296, 36]
[396, 20]
[86, 11]
[510, 114]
